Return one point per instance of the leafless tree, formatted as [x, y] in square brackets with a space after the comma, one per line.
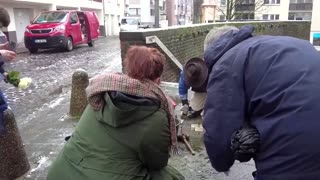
[241, 9]
[197, 11]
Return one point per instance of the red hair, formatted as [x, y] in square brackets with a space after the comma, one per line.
[144, 63]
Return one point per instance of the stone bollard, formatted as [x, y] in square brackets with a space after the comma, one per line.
[80, 81]
[13, 158]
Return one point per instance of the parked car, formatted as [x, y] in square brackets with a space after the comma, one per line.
[56, 29]
[131, 24]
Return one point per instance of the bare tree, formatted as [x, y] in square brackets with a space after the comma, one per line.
[197, 4]
[241, 9]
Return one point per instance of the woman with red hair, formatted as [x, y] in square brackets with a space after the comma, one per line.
[127, 130]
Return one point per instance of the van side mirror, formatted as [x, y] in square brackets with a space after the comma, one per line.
[119, 24]
[139, 23]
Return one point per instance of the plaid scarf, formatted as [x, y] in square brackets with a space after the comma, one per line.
[122, 83]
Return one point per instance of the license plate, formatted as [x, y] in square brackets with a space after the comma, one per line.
[40, 41]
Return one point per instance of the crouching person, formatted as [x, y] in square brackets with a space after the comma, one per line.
[127, 130]
[194, 75]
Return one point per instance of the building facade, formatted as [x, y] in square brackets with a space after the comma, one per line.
[22, 12]
[145, 10]
[114, 10]
[183, 11]
[267, 9]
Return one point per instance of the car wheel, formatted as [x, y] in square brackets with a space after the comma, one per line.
[91, 43]
[33, 50]
[69, 45]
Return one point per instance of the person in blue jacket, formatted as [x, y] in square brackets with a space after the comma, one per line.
[194, 76]
[273, 84]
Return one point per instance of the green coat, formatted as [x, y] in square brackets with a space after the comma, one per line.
[121, 142]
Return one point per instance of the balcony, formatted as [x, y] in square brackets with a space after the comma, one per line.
[300, 7]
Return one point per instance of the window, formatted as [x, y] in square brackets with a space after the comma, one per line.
[51, 17]
[222, 17]
[270, 17]
[265, 17]
[300, 16]
[134, 11]
[134, 1]
[223, 2]
[73, 18]
[300, 1]
[291, 16]
[271, 1]
[130, 21]
[152, 12]
[244, 16]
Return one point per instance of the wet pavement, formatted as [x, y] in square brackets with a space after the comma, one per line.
[41, 109]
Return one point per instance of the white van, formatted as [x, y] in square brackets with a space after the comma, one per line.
[129, 23]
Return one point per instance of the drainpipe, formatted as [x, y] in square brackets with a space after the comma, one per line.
[104, 18]
[156, 14]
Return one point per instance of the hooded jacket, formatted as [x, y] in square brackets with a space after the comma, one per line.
[128, 139]
[272, 82]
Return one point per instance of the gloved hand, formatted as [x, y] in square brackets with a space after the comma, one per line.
[245, 143]
[185, 107]
[185, 102]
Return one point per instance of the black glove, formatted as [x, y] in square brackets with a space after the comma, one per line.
[185, 102]
[245, 143]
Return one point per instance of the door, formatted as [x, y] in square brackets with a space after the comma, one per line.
[108, 19]
[112, 25]
[93, 25]
[22, 17]
[75, 28]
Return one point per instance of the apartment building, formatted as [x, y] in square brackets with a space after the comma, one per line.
[268, 9]
[114, 10]
[23, 11]
[145, 10]
[183, 11]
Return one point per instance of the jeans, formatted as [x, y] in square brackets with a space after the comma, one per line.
[3, 107]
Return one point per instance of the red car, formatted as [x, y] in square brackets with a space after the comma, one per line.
[66, 29]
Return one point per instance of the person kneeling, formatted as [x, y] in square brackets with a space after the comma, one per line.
[127, 129]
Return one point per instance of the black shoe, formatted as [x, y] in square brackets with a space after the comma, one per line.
[194, 114]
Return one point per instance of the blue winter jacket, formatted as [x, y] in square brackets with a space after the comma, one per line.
[273, 82]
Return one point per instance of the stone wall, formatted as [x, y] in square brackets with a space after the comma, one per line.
[187, 41]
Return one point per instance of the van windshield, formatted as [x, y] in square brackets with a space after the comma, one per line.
[129, 21]
[51, 17]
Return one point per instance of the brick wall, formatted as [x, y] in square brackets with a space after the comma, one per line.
[186, 42]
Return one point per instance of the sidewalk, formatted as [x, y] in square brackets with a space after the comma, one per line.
[21, 48]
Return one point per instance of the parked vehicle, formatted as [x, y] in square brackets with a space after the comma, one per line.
[131, 24]
[66, 29]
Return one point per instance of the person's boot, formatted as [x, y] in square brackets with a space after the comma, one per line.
[194, 114]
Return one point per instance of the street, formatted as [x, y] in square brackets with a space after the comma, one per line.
[41, 109]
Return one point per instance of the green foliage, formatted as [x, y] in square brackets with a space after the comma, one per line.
[14, 78]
